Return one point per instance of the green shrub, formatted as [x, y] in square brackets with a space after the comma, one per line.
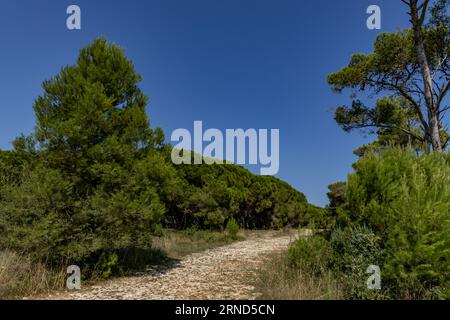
[42, 217]
[354, 249]
[232, 229]
[317, 218]
[35, 214]
[405, 200]
[311, 255]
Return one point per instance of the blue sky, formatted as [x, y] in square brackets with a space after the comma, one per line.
[230, 63]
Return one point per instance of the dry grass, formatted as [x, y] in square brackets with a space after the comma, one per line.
[177, 244]
[277, 280]
[19, 277]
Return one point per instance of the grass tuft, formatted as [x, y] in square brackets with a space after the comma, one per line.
[20, 277]
[277, 279]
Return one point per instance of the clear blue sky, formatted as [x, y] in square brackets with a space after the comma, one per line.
[231, 63]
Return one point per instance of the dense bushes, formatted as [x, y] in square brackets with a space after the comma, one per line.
[35, 213]
[341, 257]
[311, 255]
[397, 216]
[354, 249]
[405, 200]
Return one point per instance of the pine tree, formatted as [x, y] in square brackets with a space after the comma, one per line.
[92, 118]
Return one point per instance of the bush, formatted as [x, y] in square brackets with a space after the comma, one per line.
[354, 249]
[35, 214]
[232, 229]
[42, 217]
[405, 200]
[318, 218]
[311, 255]
[342, 260]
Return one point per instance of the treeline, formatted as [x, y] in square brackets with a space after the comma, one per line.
[95, 180]
[209, 195]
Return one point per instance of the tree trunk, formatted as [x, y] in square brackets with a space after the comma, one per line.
[434, 136]
[435, 133]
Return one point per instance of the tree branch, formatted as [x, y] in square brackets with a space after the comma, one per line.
[385, 126]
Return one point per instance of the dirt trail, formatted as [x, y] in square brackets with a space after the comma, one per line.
[220, 273]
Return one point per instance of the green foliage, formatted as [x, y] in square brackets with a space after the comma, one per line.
[318, 218]
[439, 13]
[35, 213]
[393, 120]
[393, 54]
[311, 255]
[91, 184]
[212, 194]
[107, 264]
[344, 257]
[94, 184]
[91, 119]
[354, 249]
[337, 200]
[232, 228]
[405, 201]
[11, 165]
[394, 212]
[392, 68]
[395, 208]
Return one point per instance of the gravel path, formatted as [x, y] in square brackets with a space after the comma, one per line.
[220, 273]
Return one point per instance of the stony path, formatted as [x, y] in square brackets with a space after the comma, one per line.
[220, 273]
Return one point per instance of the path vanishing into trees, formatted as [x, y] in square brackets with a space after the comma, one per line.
[221, 273]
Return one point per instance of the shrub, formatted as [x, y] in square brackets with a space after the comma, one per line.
[354, 249]
[311, 255]
[35, 214]
[232, 229]
[405, 200]
[318, 218]
[42, 217]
